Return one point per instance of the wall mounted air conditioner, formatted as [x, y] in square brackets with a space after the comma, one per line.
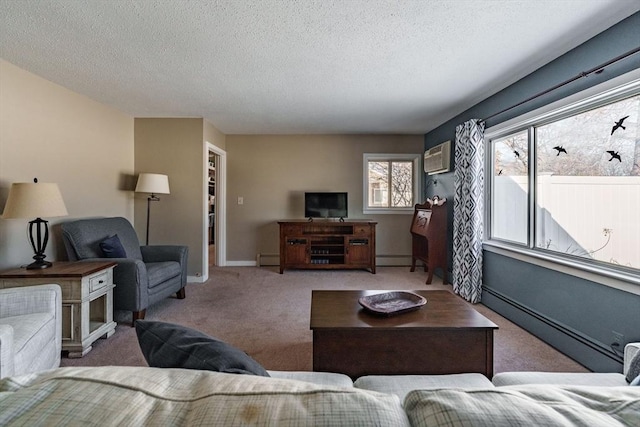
[436, 159]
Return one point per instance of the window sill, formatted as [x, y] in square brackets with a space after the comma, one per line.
[621, 280]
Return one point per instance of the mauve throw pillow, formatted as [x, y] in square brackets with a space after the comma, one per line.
[634, 368]
[167, 345]
[112, 247]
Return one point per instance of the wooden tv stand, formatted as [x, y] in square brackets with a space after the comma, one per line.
[328, 244]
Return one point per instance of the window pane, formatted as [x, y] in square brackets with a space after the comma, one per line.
[379, 184]
[588, 187]
[509, 210]
[401, 184]
[391, 182]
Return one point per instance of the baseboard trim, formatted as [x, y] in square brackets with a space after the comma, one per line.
[197, 279]
[273, 260]
[268, 260]
[241, 263]
[582, 348]
[393, 260]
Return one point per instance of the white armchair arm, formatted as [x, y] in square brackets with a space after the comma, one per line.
[630, 350]
[6, 351]
[18, 307]
[29, 300]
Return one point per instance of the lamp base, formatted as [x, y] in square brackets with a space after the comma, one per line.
[38, 242]
[38, 264]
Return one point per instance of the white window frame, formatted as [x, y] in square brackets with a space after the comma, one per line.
[417, 181]
[605, 93]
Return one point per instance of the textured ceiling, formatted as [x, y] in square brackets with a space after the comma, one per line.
[296, 66]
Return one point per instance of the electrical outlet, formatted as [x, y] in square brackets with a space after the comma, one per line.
[617, 339]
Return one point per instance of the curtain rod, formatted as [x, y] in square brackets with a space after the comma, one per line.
[597, 70]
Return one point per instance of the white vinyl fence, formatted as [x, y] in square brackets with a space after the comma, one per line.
[596, 217]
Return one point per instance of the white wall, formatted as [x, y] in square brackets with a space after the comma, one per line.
[272, 172]
[56, 135]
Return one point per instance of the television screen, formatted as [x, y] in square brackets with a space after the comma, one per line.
[325, 205]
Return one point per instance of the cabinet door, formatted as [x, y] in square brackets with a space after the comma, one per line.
[295, 250]
[358, 251]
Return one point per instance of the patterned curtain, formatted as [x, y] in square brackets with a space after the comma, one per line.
[468, 210]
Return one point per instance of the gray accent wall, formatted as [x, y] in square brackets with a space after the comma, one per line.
[575, 315]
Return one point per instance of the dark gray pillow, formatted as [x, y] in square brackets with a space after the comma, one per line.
[112, 247]
[166, 345]
[634, 368]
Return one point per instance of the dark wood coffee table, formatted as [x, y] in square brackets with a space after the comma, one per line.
[446, 336]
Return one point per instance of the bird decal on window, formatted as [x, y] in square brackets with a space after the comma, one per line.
[614, 155]
[560, 149]
[619, 125]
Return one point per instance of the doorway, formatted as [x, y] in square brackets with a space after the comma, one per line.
[211, 206]
[214, 224]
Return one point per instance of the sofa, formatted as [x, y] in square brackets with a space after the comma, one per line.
[133, 396]
[144, 274]
[30, 329]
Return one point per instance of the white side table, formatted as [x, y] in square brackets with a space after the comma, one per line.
[87, 299]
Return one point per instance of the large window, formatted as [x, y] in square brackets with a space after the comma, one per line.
[567, 183]
[391, 182]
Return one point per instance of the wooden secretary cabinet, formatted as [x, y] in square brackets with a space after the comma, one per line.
[429, 237]
[328, 245]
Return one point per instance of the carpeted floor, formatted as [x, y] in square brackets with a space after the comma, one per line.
[266, 314]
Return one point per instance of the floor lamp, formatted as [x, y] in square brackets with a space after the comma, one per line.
[153, 183]
[29, 200]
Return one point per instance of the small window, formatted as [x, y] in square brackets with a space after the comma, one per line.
[391, 182]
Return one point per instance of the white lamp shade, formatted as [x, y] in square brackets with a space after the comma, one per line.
[34, 200]
[153, 183]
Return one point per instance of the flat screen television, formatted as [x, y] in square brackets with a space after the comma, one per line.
[325, 205]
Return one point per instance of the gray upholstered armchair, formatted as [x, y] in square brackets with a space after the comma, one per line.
[145, 275]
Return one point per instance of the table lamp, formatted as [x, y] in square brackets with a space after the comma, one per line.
[152, 183]
[28, 200]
